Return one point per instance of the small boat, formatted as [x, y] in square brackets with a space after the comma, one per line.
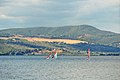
[53, 56]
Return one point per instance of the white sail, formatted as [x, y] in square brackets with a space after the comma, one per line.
[55, 56]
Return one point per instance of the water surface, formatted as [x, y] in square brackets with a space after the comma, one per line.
[63, 68]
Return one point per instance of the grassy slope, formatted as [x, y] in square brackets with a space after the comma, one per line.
[57, 31]
[68, 41]
[5, 48]
[97, 36]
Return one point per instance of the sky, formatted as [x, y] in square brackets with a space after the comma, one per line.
[102, 14]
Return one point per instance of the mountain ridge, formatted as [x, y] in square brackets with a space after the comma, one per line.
[59, 27]
[70, 28]
[82, 32]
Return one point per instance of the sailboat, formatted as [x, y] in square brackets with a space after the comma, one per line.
[88, 54]
[51, 55]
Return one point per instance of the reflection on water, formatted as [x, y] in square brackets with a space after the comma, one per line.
[63, 68]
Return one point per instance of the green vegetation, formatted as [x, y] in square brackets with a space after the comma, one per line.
[82, 32]
[93, 36]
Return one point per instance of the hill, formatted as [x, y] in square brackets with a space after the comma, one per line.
[82, 32]
[20, 46]
[68, 31]
[67, 41]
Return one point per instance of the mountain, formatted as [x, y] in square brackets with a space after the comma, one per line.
[17, 41]
[82, 32]
[57, 31]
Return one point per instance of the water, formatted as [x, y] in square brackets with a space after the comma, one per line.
[63, 68]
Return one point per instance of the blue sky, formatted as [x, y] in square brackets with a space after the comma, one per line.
[102, 14]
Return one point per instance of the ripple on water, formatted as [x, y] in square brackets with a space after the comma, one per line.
[63, 68]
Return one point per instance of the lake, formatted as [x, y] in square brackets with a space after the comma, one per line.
[62, 68]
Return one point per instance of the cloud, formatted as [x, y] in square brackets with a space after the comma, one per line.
[59, 12]
[3, 2]
[90, 6]
[6, 17]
